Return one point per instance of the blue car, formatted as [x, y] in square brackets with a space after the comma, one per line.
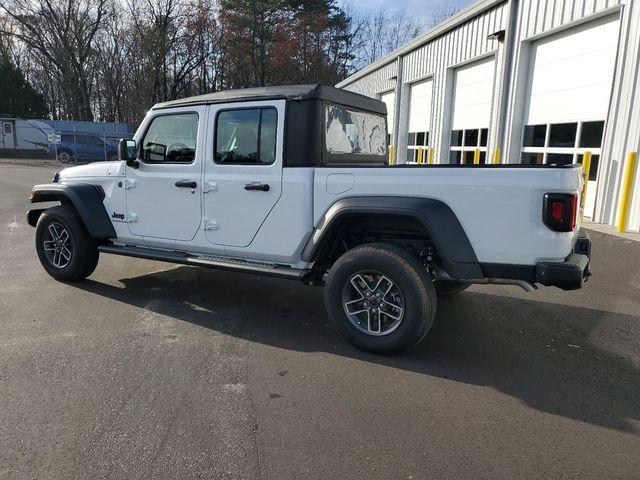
[83, 147]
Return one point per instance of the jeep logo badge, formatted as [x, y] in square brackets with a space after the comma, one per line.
[118, 216]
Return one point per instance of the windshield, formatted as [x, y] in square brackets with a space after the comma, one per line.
[354, 132]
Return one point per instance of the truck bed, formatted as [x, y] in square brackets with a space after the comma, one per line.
[498, 206]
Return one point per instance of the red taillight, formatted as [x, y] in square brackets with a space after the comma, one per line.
[574, 212]
[560, 211]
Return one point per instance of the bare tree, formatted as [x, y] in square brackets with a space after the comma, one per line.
[384, 31]
[442, 10]
[96, 59]
[61, 34]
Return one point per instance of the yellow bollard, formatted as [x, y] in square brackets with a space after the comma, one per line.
[586, 166]
[430, 156]
[539, 158]
[391, 159]
[420, 156]
[476, 157]
[496, 156]
[625, 191]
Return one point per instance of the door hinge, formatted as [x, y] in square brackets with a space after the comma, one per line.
[210, 225]
[129, 183]
[131, 218]
[209, 187]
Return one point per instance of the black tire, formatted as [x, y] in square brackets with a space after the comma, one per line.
[449, 288]
[83, 252]
[65, 156]
[409, 277]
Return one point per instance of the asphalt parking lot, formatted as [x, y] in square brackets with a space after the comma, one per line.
[151, 370]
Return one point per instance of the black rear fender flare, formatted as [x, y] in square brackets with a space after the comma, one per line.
[437, 218]
[86, 198]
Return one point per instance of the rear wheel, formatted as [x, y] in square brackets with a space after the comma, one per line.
[65, 249]
[381, 298]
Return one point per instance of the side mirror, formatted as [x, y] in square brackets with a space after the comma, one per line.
[127, 151]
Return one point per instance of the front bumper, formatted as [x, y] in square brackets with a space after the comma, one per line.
[573, 272]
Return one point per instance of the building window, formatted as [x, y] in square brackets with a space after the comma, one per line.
[417, 147]
[563, 144]
[465, 143]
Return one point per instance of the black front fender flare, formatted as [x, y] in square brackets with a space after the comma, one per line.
[457, 254]
[86, 198]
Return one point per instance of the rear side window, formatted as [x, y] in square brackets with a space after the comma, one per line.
[351, 132]
[171, 139]
[246, 136]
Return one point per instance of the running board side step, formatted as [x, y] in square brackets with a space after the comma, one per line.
[206, 261]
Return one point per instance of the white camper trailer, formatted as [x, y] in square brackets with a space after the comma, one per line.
[20, 135]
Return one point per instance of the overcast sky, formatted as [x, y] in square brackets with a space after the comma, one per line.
[418, 8]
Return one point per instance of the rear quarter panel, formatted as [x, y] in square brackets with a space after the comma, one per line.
[500, 209]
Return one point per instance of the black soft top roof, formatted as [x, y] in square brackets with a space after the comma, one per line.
[290, 92]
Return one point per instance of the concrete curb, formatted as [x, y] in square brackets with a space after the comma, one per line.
[32, 162]
[611, 230]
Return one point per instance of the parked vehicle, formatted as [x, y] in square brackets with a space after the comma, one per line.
[29, 137]
[293, 182]
[82, 147]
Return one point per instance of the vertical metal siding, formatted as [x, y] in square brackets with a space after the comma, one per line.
[540, 16]
[533, 19]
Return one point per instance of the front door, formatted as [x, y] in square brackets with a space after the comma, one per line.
[7, 130]
[243, 179]
[164, 192]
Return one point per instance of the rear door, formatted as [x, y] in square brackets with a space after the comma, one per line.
[243, 176]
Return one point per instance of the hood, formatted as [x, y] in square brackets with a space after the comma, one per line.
[97, 169]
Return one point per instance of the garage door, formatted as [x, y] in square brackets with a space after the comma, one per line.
[472, 100]
[569, 85]
[419, 120]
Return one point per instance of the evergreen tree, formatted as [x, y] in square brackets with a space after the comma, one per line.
[17, 96]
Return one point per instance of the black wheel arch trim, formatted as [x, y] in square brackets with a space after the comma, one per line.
[86, 198]
[441, 223]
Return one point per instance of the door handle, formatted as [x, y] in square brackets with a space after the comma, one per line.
[262, 187]
[186, 184]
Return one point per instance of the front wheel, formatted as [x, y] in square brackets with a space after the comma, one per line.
[64, 156]
[381, 298]
[65, 249]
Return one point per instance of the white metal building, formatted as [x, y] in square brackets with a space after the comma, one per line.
[521, 81]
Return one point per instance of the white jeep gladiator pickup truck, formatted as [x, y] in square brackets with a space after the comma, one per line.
[294, 182]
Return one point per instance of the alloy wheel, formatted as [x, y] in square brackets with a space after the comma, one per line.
[57, 244]
[373, 303]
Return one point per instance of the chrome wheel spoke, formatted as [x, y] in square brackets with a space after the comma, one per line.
[66, 253]
[349, 305]
[53, 232]
[56, 258]
[394, 311]
[49, 245]
[370, 323]
[359, 288]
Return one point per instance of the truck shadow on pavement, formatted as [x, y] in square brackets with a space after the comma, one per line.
[535, 351]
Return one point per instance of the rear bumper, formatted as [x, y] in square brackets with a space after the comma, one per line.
[573, 272]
